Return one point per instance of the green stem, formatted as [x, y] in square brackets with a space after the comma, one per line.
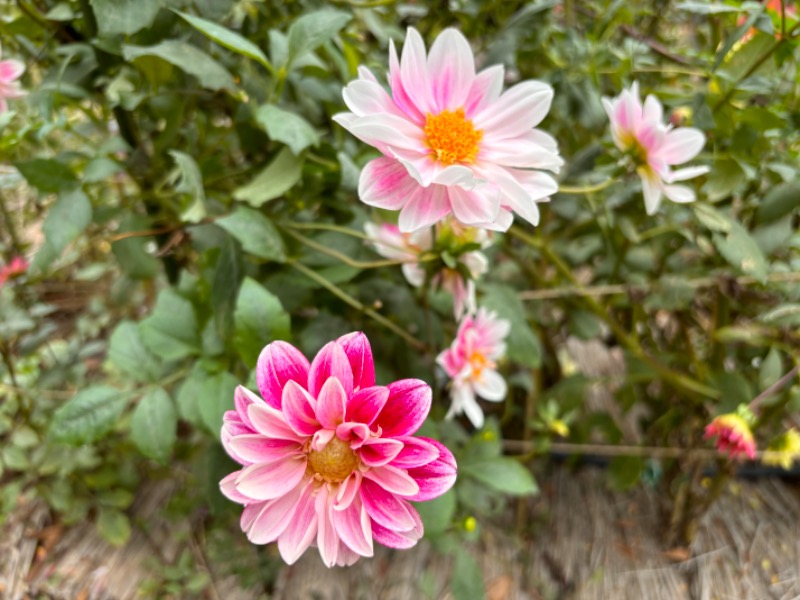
[348, 299]
[585, 189]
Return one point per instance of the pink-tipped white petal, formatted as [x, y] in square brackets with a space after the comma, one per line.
[228, 488]
[299, 409]
[485, 89]
[385, 508]
[278, 363]
[393, 480]
[354, 528]
[271, 423]
[302, 530]
[331, 404]
[682, 145]
[452, 70]
[270, 480]
[414, 73]
[476, 206]
[327, 539]
[256, 448]
[10, 70]
[424, 207]
[274, 518]
[385, 183]
[520, 108]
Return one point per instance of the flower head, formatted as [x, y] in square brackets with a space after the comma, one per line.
[458, 278]
[783, 450]
[470, 362]
[16, 267]
[639, 130]
[732, 435]
[328, 457]
[10, 71]
[452, 143]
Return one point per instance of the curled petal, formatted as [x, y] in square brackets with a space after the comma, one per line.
[278, 363]
[416, 452]
[436, 477]
[392, 538]
[299, 409]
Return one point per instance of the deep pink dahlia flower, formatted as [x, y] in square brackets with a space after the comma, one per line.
[329, 459]
[732, 435]
[452, 142]
[16, 267]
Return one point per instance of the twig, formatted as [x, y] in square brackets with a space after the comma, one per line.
[610, 450]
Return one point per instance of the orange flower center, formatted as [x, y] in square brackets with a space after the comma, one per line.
[479, 362]
[452, 137]
[334, 462]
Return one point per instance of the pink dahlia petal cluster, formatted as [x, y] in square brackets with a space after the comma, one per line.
[392, 243]
[452, 141]
[732, 435]
[328, 457]
[16, 267]
[471, 362]
[639, 130]
[10, 71]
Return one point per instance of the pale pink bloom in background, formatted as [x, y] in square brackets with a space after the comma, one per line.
[391, 243]
[10, 71]
[452, 142]
[329, 459]
[471, 363]
[732, 435]
[16, 267]
[654, 146]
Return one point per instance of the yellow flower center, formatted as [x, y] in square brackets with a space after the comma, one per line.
[334, 462]
[452, 137]
[479, 362]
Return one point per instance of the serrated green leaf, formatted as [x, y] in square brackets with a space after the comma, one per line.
[171, 331]
[129, 354]
[276, 179]
[154, 423]
[314, 29]
[114, 526]
[523, 343]
[227, 38]
[88, 416]
[502, 474]
[48, 175]
[189, 59]
[256, 233]
[287, 127]
[124, 16]
[260, 319]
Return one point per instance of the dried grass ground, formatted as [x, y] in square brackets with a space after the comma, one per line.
[593, 543]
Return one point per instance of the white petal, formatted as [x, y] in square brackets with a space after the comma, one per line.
[491, 385]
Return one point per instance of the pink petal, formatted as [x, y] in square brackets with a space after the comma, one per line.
[406, 408]
[399, 94]
[519, 108]
[321, 439]
[274, 517]
[298, 409]
[331, 361]
[271, 423]
[359, 353]
[385, 508]
[278, 363]
[393, 480]
[653, 112]
[354, 528]
[416, 452]
[271, 480]
[452, 70]
[385, 130]
[385, 183]
[302, 529]
[376, 452]
[10, 70]
[327, 538]
[242, 399]
[682, 145]
[256, 448]
[331, 404]
[438, 476]
[365, 97]
[249, 514]
[348, 490]
[398, 540]
[486, 89]
[473, 207]
[355, 433]
[365, 405]
[425, 207]
[228, 488]
[414, 73]
[345, 557]
[524, 151]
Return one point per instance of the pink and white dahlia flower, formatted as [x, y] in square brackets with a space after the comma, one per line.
[471, 360]
[10, 71]
[451, 141]
[391, 243]
[328, 457]
[639, 130]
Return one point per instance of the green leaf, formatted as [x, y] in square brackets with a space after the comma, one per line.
[706, 8]
[523, 344]
[189, 59]
[726, 176]
[171, 331]
[68, 218]
[216, 397]
[225, 286]
[275, 180]
[114, 526]
[227, 38]
[502, 474]
[191, 183]
[124, 16]
[771, 369]
[256, 233]
[129, 354]
[314, 29]
[287, 127]
[781, 200]
[713, 219]
[437, 514]
[87, 416]
[740, 249]
[153, 426]
[625, 471]
[131, 253]
[466, 582]
[783, 315]
[48, 175]
[260, 319]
